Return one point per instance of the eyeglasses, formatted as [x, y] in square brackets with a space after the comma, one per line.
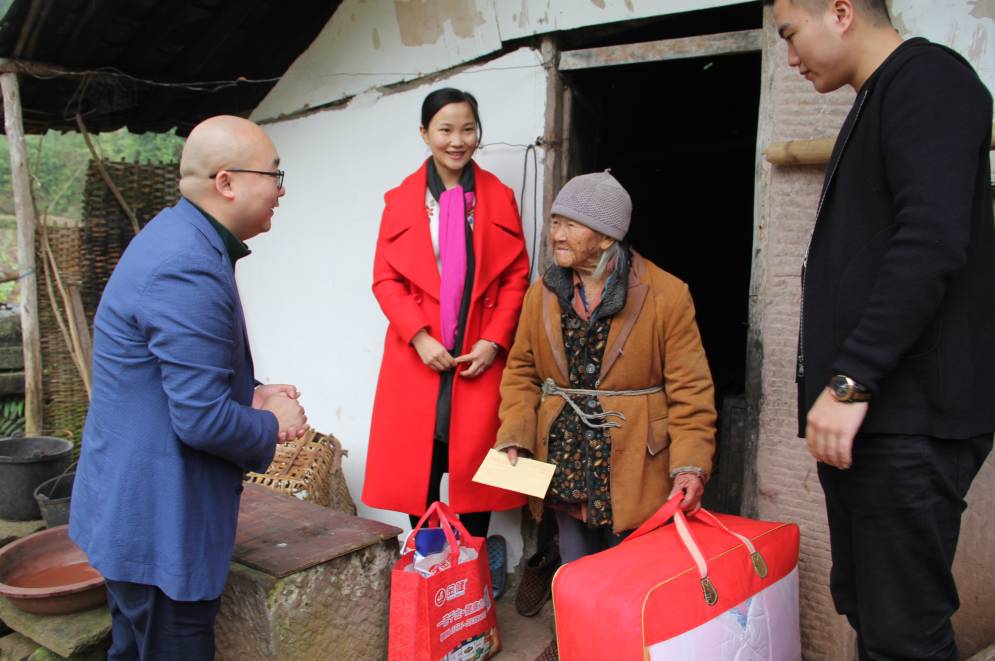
[276, 174]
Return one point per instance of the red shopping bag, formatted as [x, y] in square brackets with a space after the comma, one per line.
[450, 614]
[708, 587]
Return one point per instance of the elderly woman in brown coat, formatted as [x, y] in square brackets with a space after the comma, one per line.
[607, 377]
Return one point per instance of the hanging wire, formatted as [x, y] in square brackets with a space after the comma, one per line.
[530, 148]
[215, 85]
[535, 200]
[74, 106]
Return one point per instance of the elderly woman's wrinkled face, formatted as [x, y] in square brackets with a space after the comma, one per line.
[576, 246]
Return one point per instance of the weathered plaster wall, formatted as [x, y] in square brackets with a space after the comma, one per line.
[311, 316]
[370, 43]
[788, 487]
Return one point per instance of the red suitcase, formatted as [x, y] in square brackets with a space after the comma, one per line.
[709, 587]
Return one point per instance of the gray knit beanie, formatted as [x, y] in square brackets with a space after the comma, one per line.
[598, 201]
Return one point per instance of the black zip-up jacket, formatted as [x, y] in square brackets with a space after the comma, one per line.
[899, 284]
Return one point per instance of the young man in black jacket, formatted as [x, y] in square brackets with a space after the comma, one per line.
[896, 352]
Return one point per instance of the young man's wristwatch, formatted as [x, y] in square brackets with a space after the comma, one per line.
[846, 390]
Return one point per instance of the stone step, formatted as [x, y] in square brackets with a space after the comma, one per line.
[11, 383]
[66, 635]
[11, 531]
[11, 358]
[17, 647]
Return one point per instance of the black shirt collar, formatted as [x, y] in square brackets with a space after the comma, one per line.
[236, 248]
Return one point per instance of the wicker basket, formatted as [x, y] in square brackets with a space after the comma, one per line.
[311, 469]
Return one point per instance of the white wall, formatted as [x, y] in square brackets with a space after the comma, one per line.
[967, 26]
[311, 315]
[370, 43]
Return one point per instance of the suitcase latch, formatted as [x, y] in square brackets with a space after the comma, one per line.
[759, 564]
[711, 596]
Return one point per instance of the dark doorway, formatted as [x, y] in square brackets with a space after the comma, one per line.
[681, 137]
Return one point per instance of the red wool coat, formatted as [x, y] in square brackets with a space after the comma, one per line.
[406, 284]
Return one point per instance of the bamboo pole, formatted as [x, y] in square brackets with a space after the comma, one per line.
[73, 326]
[105, 175]
[24, 209]
[810, 152]
[78, 317]
[800, 152]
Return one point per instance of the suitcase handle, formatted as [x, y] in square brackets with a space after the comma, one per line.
[672, 510]
[440, 513]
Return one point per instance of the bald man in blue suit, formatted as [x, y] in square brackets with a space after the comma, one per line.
[176, 418]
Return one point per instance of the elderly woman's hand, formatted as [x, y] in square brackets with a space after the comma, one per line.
[513, 453]
[480, 358]
[693, 487]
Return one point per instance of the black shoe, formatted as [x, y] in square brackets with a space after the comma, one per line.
[537, 581]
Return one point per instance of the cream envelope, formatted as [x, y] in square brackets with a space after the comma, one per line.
[527, 476]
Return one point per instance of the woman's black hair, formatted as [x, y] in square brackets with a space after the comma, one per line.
[436, 100]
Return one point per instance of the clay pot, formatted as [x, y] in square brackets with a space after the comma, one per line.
[46, 573]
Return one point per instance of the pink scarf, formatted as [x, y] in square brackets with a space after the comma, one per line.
[453, 204]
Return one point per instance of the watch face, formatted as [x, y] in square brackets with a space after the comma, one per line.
[840, 387]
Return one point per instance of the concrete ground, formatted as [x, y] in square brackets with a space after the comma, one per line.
[522, 638]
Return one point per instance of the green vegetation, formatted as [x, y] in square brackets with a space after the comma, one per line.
[58, 164]
[11, 415]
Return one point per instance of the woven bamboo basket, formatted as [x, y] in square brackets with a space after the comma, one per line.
[309, 468]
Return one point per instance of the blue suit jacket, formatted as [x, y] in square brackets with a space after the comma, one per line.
[170, 429]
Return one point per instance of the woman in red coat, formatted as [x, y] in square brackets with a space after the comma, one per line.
[450, 273]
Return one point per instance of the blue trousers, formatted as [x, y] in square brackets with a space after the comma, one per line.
[146, 624]
[894, 520]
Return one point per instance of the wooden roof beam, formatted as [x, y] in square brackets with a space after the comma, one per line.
[707, 45]
[30, 67]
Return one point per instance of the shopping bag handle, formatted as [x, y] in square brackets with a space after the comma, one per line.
[672, 510]
[440, 512]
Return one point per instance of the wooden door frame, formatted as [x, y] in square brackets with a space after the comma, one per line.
[559, 110]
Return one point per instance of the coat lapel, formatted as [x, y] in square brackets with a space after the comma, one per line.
[554, 332]
[492, 228]
[197, 219]
[409, 248]
[408, 241]
[623, 323]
